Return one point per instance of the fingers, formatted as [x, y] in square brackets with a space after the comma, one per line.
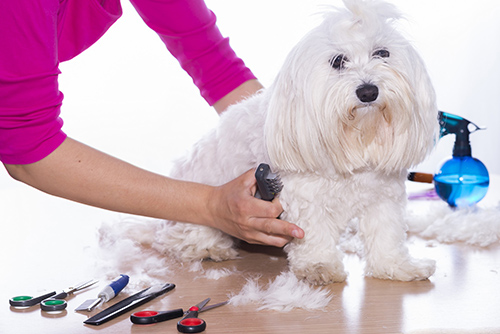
[268, 230]
[250, 219]
[276, 232]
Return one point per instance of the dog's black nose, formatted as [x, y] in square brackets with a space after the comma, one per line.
[367, 93]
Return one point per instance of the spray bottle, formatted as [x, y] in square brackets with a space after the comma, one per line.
[461, 180]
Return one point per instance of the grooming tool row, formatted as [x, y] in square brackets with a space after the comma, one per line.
[53, 302]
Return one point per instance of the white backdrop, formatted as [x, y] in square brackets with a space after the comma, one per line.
[127, 95]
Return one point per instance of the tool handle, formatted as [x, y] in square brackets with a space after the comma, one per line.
[191, 325]
[114, 288]
[60, 295]
[129, 303]
[151, 317]
[51, 305]
[26, 301]
[268, 183]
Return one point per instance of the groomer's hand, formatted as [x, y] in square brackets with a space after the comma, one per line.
[237, 212]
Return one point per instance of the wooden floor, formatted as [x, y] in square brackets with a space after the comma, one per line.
[47, 244]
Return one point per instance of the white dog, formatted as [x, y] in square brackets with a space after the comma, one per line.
[351, 110]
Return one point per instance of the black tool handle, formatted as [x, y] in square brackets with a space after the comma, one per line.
[26, 301]
[151, 317]
[191, 323]
[61, 295]
[127, 304]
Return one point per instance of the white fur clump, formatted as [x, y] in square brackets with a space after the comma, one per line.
[474, 225]
[285, 293]
[213, 273]
[216, 274]
[351, 110]
[128, 246]
[124, 248]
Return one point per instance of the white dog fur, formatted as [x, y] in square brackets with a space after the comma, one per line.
[342, 147]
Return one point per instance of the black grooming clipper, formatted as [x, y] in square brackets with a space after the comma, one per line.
[268, 184]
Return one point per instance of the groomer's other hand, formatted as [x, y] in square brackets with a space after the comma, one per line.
[237, 212]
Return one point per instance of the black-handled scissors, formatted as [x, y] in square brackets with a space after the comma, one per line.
[189, 324]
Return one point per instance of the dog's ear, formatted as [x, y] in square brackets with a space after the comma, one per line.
[292, 128]
[425, 127]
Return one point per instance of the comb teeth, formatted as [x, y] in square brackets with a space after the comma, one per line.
[274, 184]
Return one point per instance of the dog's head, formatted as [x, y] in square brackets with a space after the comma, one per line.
[352, 95]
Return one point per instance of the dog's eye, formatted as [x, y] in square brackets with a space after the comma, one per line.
[382, 53]
[338, 61]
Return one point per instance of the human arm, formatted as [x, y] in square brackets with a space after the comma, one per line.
[245, 90]
[35, 151]
[80, 173]
[189, 31]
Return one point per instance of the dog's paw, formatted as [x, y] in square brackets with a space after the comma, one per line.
[321, 273]
[410, 270]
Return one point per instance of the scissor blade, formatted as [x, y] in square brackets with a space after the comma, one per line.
[81, 286]
[206, 308]
[202, 304]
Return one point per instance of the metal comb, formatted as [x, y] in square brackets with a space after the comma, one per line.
[268, 184]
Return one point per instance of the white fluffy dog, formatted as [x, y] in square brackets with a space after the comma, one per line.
[351, 110]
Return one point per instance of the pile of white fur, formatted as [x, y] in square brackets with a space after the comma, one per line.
[478, 226]
[126, 246]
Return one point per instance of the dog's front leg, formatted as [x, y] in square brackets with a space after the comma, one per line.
[383, 231]
[315, 258]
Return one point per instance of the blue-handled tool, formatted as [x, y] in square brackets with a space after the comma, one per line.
[109, 292]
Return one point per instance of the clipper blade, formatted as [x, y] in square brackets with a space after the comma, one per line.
[268, 184]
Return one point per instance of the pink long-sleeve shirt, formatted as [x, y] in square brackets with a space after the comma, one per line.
[35, 35]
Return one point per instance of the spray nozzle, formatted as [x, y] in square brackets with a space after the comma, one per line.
[462, 128]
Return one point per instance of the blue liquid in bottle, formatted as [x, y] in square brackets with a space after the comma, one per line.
[462, 181]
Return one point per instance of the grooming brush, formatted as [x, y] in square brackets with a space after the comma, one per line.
[268, 184]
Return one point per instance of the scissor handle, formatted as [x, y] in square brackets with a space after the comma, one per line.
[191, 323]
[51, 305]
[60, 295]
[27, 301]
[151, 317]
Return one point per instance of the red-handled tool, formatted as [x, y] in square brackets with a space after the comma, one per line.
[151, 317]
[189, 324]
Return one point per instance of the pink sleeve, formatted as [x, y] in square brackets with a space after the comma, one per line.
[30, 127]
[40, 34]
[188, 29]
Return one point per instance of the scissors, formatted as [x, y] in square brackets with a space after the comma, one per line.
[50, 301]
[189, 324]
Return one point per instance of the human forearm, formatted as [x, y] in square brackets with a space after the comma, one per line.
[77, 172]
